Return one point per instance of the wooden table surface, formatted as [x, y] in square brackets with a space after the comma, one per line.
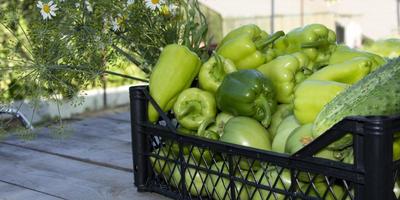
[93, 161]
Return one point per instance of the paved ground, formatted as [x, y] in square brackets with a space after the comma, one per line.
[93, 162]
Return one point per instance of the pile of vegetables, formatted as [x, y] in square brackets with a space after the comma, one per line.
[387, 47]
[274, 92]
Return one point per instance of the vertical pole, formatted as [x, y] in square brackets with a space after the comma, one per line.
[378, 164]
[104, 83]
[398, 16]
[358, 148]
[140, 146]
[272, 15]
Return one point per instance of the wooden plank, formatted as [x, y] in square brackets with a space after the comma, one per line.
[66, 178]
[124, 116]
[111, 128]
[13, 192]
[97, 140]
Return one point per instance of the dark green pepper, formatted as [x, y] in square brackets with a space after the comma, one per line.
[247, 93]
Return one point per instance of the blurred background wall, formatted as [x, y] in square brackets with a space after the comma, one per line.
[353, 20]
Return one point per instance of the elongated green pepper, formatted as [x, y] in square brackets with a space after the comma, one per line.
[284, 72]
[245, 45]
[247, 93]
[175, 70]
[343, 53]
[194, 107]
[348, 72]
[312, 95]
[213, 72]
[315, 40]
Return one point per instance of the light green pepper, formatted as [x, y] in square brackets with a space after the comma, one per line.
[285, 72]
[312, 95]
[245, 46]
[194, 107]
[175, 70]
[213, 72]
[348, 72]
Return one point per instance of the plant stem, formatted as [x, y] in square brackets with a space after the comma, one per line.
[125, 76]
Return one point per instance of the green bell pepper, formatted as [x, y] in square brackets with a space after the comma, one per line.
[195, 179]
[175, 70]
[312, 95]
[245, 46]
[220, 122]
[282, 111]
[348, 72]
[285, 72]
[213, 72]
[246, 131]
[194, 107]
[300, 137]
[208, 130]
[283, 132]
[247, 93]
[344, 53]
[315, 40]
[218, 186]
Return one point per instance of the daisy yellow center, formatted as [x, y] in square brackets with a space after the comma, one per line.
[46, 8]
[155, 1]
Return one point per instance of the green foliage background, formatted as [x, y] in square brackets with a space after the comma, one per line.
[45, 58]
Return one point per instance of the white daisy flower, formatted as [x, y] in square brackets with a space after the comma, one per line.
[88, 6]
[154, 4]
[47, 9]
[77, 5]
[130, 2]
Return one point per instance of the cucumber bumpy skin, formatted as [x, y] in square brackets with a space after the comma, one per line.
[376, 94]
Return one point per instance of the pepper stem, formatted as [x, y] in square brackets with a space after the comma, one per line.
[218, 66]
[316, 44]
[265, 113]
[202, 129]
[267, 117]
[270, 39]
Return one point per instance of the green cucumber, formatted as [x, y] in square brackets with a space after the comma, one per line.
[283, 132]
[376, 94]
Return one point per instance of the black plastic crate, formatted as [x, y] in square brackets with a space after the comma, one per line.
[188, 167]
